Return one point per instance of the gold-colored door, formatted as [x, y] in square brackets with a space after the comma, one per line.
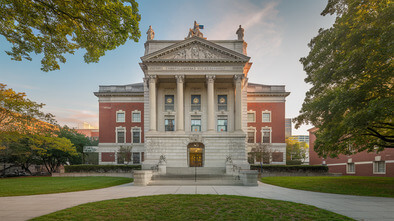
[195, 159]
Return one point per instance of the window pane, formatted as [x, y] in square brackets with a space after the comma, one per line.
[120, 117]
[251, 137]
[169, 124]
[350, 167]
[121, 137]
[136, 117]
[222, 102]
[136, 158]
[196, 125]
[381, 166]
[251, 117]
[222, 125]
[136, 136]
[266, 135]
[266, 117]
[196, 102]
[169, 102]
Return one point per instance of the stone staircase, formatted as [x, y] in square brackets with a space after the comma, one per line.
[195, 176]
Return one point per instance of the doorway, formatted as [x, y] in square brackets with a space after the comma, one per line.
[196, 154]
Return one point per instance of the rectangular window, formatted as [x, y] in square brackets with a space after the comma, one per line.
[136, 117]
[251, 137]
[169, 124]
[196, 125]
[169, 102]
[266, 136]
[350, 168]
[251, 117]
[136, 135]
[266, 117]
[379, 167]
[196, 103]
[222, 124]
[121, 137]
[120, 117]
[136, 158]
[222, 102]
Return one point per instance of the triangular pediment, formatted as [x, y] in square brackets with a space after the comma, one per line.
[195, 49]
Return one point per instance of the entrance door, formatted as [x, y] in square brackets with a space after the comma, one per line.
[196, 154]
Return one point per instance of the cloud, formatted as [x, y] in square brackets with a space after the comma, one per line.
[73, 117]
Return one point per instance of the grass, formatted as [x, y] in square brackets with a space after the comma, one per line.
[351, 185]
[193, 207]
[43, 185]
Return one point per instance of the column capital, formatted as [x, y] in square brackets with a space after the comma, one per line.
[210, 78]
[238, 77]
[180, 78]
[152, 77]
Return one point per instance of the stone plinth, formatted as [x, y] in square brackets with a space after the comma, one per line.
[249, 177]
[142, 177]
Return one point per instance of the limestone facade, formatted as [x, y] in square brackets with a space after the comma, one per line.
[192, 108]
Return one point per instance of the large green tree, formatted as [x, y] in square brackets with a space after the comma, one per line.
[350, 67]
[58, 27]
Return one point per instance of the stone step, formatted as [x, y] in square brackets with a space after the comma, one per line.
[198, 182]
[193, 177]
[192, 170]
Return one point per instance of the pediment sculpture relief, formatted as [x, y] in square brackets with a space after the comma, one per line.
[194, 51]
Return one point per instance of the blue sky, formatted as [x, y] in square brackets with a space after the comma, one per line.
[277, 33]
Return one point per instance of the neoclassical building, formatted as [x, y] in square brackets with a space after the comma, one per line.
[195, 107]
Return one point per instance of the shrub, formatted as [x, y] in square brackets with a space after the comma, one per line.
[290, 168]
[101, 168]
[293, 162]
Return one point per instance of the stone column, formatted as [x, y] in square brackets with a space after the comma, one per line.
[152, 102]
[180, 125]
[238, 102]
[211, 103]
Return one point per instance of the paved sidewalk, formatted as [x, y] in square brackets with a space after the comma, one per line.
[357, 207]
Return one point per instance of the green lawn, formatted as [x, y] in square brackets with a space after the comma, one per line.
[351, 185]
[193, 207]
[43, 185]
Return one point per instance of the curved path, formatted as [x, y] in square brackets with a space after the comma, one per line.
[357, 207]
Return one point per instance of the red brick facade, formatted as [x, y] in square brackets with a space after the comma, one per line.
[108, 124]
[277, 123]
[108, 157]
[363, 161]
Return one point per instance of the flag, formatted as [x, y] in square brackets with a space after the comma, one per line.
[201, 26]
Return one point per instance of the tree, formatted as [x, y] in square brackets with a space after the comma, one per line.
[78, 140]
[350, 67]
[19, 114]
[296, 151]
[58, 27]
[124, 154]
[261, 152]
[53, 151]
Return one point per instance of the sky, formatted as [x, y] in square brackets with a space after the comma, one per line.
[277, 33]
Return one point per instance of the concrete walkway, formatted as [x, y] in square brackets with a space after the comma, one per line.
[357, 207]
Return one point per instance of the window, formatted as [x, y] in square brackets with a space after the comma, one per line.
[196, 102]
[169, 102]
[251, 136]
[169, 124]
[266, 135]
[266, 116]
[120, 135]
[251, 116]
[120, 116]
[222, 124]
[196, 125]
[136, 136]
[136, 116]
[379, 167]
[350, 168]
[136, 158]
[222, 102]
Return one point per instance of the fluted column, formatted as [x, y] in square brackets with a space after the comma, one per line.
[152, 102]
[238, 102]
[211, 103]
[180, 124]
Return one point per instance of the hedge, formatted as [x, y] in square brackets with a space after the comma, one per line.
[101, 168]
[290, 168]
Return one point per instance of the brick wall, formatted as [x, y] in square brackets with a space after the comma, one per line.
[108, 157]
[277, 120]
[107, 120]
